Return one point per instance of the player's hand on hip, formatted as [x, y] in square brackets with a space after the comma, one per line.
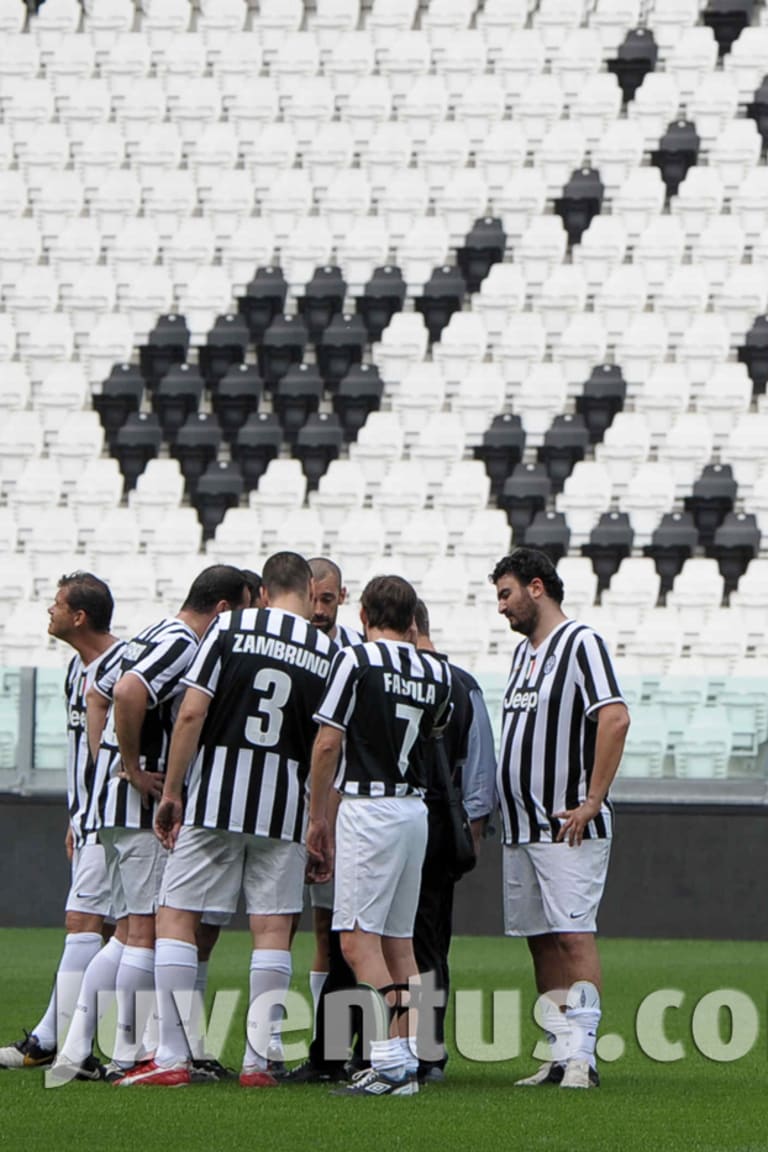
[148, 784]
[575, 820]
[168, 821]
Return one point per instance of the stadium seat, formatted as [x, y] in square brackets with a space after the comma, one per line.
[159, 490]
[685, 450]
[541, 397]
[705, 746]
[501, 448]
[565, 443]
[681, 297]
[282, 489]
[256, 444]
[523, 496]
[358, 394]
[662, 398]
[421, 544]
[586, 494]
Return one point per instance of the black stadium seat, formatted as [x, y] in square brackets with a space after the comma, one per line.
[225, 345]
[483, 247]
[754, 353]
[218, 489]
[263, 299]
[581, 200]
[257, 442]
[757, 109]
[714, 494]
[383, 295]
[297, 395]
[442, 295]
[120, 395]
[323, 298]
[167, 344]
[340, 347]
[635, 58]
[727, 19]
[136, 443]
[196, 446]
[602, 397]
[549, 532]
[176, 397]
[237, 397]
[318, 442]
[610, 541]
[565, 442]
[672, 543]
[358, 394]
[678, 151]
[523, 496]
[736, 542]
[281, 347]
[501, 448]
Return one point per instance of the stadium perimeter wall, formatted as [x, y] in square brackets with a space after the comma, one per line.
[678, 870]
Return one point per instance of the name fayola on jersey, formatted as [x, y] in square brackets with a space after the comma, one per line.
[416, 689]
[280, 650]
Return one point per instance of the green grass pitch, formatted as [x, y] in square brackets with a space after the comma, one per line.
[694, 1104]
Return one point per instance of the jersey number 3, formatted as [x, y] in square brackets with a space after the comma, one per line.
[274, 688]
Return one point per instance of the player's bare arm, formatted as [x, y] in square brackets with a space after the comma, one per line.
[97, 708]
[325, 758]
[184, 743]
[612, 728]
[131, 700]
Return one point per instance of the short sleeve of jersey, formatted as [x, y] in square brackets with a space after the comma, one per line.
[338, 700]
[162, 665]
[107, 675]
[205, 669]
[597, 679]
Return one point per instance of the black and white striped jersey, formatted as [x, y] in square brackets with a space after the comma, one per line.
[346, 636]
[159, 656]
[548, 736]
[80, 766]
[386, 697]
[265, 670]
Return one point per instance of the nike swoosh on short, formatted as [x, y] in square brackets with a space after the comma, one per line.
[576, 915]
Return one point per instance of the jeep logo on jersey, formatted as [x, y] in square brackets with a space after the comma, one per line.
[522, 701]
[76, 718]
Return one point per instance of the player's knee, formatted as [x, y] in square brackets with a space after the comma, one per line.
[76, 922]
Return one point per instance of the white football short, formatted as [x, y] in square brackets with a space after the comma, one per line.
[90, 890]
[553, 887]
[208, 868]
[135, 862]
[380, 846]
[321, 895]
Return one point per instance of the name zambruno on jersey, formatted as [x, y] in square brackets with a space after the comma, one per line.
[548, 737]
[159, 656]
[386, 697]
[265, 669]
[81, 768]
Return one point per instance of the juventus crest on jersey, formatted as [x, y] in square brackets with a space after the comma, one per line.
[549, 730]
[386, 697]
[80, 765]
[265, 669]
[159, 656]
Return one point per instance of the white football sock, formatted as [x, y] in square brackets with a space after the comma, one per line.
[175, 972]
[557, 1027]
[98, 977]
[270, 972]
[583, 1013]
[134, 988]
[196, 1028]
[79, 949]
[316, 982]
[388, 1056]
[410, 1056]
